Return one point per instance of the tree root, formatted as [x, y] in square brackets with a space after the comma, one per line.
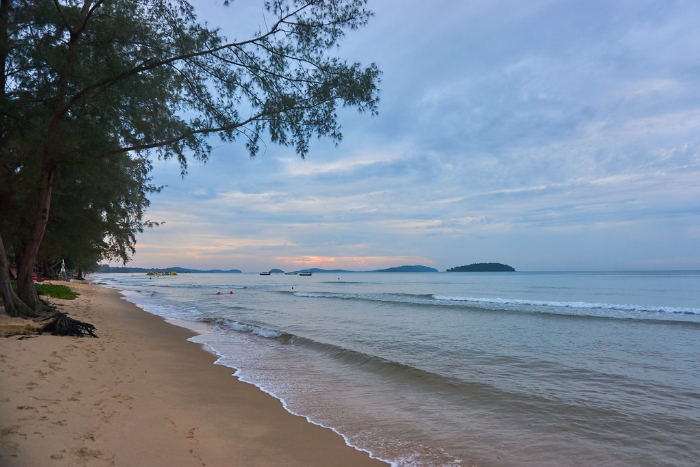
[59, 324]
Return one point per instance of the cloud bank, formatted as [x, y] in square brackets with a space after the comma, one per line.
[548, 135]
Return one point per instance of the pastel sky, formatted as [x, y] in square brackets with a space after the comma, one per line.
[548, 135]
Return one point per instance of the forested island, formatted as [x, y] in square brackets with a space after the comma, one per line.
[415, 268]
[483, 267]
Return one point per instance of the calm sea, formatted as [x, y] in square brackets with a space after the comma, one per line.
[431, 369]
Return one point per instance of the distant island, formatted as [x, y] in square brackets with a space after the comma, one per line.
[105, 268]
[320, 271]
[415, 268]
[483, 267]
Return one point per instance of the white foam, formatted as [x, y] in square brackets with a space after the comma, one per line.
[258, 331]
[579, 305]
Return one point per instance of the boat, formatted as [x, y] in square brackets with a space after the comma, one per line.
[305, 273]
[291, 273]
[265, 273]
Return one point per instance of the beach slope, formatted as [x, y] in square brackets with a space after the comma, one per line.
[142, 395]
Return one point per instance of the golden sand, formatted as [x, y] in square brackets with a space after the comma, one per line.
[141, 395]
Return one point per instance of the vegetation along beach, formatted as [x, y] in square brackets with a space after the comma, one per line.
[215, 250]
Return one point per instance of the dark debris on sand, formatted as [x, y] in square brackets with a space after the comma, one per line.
[60, 324]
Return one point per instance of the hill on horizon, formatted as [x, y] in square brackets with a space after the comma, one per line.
[414, 268]
[105, 268]
[483, 267]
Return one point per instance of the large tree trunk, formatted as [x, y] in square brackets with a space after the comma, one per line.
[25, 284]
[13, 305]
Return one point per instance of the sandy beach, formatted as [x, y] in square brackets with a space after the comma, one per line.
[141, 395]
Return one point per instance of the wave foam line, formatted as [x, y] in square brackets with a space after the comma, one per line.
[239, 374]
[402, 297]
[244, 327]
[579, 305]
[394, 370]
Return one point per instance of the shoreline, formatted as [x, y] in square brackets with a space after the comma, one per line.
[212, 351]
[142, 394]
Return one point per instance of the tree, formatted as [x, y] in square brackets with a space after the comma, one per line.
[97, 211]
[93, 80]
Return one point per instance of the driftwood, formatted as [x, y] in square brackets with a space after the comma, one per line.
[59, 324]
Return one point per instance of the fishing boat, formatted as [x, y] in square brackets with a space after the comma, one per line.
[265, 273]
[291, 273]
[305, 273]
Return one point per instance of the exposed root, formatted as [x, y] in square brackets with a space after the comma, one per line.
[59, 324]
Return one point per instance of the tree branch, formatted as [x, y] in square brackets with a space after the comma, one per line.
[63, 16]
[149, 66]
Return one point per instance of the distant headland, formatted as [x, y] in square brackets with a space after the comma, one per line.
[105, 268]
[483, 267]
[413, 268]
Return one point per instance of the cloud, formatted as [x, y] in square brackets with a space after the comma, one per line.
[562, 135]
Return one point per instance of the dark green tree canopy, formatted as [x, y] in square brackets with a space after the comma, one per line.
[97, 211]
[160, 80]
[85, 81]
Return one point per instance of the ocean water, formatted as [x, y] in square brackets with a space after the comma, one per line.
[433, 369]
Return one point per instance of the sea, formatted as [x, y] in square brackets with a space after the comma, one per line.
[444, 369]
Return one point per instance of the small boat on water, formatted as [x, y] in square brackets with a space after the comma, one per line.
[291, 273]
[305, 273]
[264, 273]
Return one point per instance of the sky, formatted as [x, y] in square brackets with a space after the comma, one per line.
[547, 135]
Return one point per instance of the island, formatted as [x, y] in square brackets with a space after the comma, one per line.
[483, 267]
[414, 268]
[276, 271]
[319, 270]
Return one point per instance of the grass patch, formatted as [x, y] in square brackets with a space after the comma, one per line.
[52, 290]
[56, 291]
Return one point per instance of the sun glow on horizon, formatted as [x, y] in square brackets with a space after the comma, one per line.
[351, 262]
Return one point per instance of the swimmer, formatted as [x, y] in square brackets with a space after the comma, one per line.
[218, 293]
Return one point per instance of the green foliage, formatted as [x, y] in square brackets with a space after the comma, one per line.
[137, 79]
[53, 290]
[97, 211]
[56, 291]
[147, 76]
[93, 90]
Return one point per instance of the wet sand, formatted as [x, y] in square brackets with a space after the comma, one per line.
[141, 395]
